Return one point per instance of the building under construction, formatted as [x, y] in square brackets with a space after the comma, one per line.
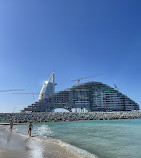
[89, 96]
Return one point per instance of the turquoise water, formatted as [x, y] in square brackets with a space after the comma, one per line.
[106, 139]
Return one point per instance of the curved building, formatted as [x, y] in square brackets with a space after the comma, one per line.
[48, 88]
[91, 96]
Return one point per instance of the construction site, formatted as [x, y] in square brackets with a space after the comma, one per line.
[85, 97]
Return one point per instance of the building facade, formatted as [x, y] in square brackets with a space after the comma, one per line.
[91, 96]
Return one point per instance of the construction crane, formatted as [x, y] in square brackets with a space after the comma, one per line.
[85, 78]
[29, 93]
[9, 90]
[116, 87]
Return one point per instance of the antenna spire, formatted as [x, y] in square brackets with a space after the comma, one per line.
[53, 75]
[53, 68]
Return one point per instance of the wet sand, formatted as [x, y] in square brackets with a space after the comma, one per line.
[13, 145]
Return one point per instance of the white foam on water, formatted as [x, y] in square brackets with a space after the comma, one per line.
[44, 130]
[5, 128]
[82, 153]
[75, 150]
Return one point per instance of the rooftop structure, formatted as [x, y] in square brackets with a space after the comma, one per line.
[91, 96]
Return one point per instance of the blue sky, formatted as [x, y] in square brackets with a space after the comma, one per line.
[77, 37]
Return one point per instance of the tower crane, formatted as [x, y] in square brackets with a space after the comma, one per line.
[86, 78]
[116, 87]
[9, 90]
[29, 93]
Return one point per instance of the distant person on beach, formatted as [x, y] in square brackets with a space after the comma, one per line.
[11, 125]
[30, 128]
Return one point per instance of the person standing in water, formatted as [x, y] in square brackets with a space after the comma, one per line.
[11, 125]
[30, 128]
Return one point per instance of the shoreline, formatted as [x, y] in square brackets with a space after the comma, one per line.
[15, 145]
[45, 146]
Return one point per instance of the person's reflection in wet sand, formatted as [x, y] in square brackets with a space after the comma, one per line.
[9, 137]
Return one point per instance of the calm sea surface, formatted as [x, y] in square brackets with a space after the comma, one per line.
[105, 139]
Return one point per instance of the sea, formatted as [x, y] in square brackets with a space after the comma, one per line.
[94, 138]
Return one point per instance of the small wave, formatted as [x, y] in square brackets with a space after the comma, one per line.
[5, 128]
[75, 150]
[82, 153]
[44, 130]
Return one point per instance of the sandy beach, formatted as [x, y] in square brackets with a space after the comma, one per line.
[13, 145]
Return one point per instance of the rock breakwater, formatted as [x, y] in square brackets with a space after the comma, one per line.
[67, 116]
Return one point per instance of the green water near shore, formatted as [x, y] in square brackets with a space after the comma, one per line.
[109, 138]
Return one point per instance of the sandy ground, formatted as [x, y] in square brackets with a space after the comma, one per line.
[14, 145]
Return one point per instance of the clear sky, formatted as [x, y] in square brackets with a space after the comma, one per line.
[78, 38]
